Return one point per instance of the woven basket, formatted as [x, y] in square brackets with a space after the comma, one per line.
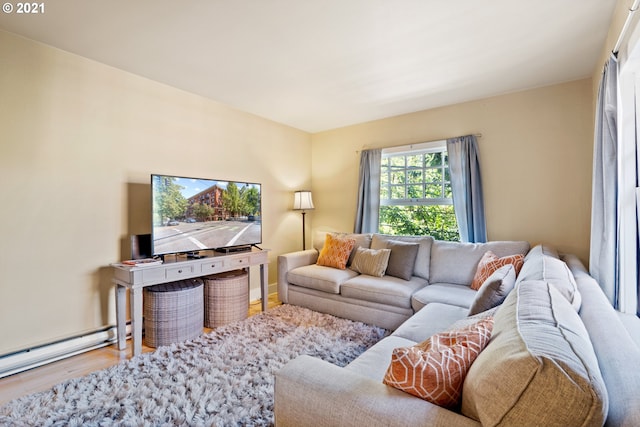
[226, 298]
[173, 312]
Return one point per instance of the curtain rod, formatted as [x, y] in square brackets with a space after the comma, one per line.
[625, 27]
[477, 135]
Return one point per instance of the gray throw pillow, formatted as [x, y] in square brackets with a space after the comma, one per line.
[494, 290]
[402, 259]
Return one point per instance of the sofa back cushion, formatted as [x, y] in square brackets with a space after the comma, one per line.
[540, 250]
[457, 262]
[422, 259]
[539, 368]
[542, 263]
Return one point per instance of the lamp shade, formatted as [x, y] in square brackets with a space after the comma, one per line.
[302, 200]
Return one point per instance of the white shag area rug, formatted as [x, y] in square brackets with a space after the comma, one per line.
[223, 378]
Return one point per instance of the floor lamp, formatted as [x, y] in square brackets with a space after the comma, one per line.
[302, 201]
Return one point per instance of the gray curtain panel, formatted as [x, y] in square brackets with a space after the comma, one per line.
[603, 258]
[466, 185]
[368, 192]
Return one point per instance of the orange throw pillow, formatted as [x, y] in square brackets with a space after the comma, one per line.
[335, 252]
[490, 263]
[435, 369]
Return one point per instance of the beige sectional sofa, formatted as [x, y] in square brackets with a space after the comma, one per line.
[558, 355]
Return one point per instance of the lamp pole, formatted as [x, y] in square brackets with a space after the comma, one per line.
[302, 201]
[304, 241]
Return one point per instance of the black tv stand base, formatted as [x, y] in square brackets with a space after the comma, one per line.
[234, 249]
[195, 255]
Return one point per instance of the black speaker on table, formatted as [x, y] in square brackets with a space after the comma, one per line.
[141, 246]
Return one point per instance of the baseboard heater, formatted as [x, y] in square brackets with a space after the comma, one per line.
[29, 358]
[23, 360]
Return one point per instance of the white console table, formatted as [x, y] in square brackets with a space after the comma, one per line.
[136, 278]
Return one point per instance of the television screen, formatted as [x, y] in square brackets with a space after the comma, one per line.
[192, 214]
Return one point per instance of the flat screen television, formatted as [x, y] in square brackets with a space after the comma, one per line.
[190, 215]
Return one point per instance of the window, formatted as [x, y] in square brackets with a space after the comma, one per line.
[415, 192]
[628, 192]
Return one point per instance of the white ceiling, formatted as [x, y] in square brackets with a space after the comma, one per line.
[322, 64]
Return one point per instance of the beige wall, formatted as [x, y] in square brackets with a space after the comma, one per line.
[79, 140]
[78, 143]
[535, 155]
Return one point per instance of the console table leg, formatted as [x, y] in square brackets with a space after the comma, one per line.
[121, 319]
[136, 320]
[264, 286]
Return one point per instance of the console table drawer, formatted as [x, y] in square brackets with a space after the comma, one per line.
[259, 257]
[177, 273]
[212, 266]
[239, 262]
[152, 275]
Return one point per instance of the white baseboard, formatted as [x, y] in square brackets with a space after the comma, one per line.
[30, 358]
[255, 294]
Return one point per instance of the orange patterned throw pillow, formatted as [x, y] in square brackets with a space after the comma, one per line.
[335, 252]
[490, 263]
[435, 369]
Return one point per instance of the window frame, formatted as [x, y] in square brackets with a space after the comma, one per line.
[412, 150]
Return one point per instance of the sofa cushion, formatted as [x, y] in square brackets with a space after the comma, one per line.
[421, 267]
[402, 259]
[435, 369]
[494, 290]
[371, 261]
[374, 362]
[539, 368]
[468, 320]
[456, 262]
[446, 293]
[335, 252]
[542, 264]
[490, 263]
[430, 320]
[326, 279]
[384, 290]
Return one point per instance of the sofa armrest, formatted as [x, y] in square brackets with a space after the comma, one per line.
[312, 392]
[615, 349]
[288, 262]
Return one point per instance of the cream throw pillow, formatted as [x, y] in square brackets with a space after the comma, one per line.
[372, 262]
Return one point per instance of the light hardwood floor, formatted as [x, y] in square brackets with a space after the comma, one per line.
[43, 378]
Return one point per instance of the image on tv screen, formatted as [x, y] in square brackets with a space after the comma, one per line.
[192, 214]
